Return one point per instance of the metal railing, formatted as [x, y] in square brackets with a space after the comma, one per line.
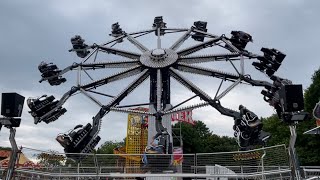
[265, 163]
[311, 172]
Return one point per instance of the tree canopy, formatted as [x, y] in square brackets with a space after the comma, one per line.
[307, 146]
[108, 146]
[198, 138]
[5, 148]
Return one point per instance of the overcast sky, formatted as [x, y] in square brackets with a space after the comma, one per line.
[33, 31]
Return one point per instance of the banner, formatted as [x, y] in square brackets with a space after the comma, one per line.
[177, 156]
[183, 116]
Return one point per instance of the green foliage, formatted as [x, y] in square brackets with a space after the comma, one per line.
[280, 133]
[199, 139]
[50, 159]
[312, 93]
[307, 146]
[5, 148]
[108, 146]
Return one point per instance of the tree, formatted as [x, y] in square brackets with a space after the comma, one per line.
[280, 133]
[307, 146]
[221, 144]
[108, 146]
[312, 93]
[5, 148]
[198, 138]
[51, 158]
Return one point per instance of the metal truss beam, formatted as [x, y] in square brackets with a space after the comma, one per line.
[205, 33]
[191, 107]
[175, 29]
[188, 84]
[203, 95]
[181, 40]
[166, 90]
[185, 101]
[209, 58]
[112, 64]
[103, 94]
[91, 97]
[115, 77]
[113, 40]
[133, 105]
[115, 109]
[116, 100]
[225, 92]
[141, 32]
[256, 82]
[232, 47]
[143, 76]
[119, 52]
[198, 47]
[159, 90]
[141, 47]
[95, 51]
[207, 72]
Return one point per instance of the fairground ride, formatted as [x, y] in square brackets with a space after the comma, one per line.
[160, 65]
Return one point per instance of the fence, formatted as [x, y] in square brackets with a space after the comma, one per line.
[311, 172]
[264, 163]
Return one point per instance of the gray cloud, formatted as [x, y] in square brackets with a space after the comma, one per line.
[36, 30]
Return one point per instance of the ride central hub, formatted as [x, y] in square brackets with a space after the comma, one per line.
[159, 58]
[158, 54]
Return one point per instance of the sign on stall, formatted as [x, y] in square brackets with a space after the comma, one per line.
[183, 116]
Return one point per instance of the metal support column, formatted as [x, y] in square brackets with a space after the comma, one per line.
[14, 153]
[78, 171]
[262, 164]
[295, 167]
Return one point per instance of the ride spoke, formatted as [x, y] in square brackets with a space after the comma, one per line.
[119, 52]
[141, 47]
[112, 64]
[209, 58]
[181, 40]
[112, 78]
[159, 90]
[214, 103]
[198, 47]
[116, 100]
[206, 71]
